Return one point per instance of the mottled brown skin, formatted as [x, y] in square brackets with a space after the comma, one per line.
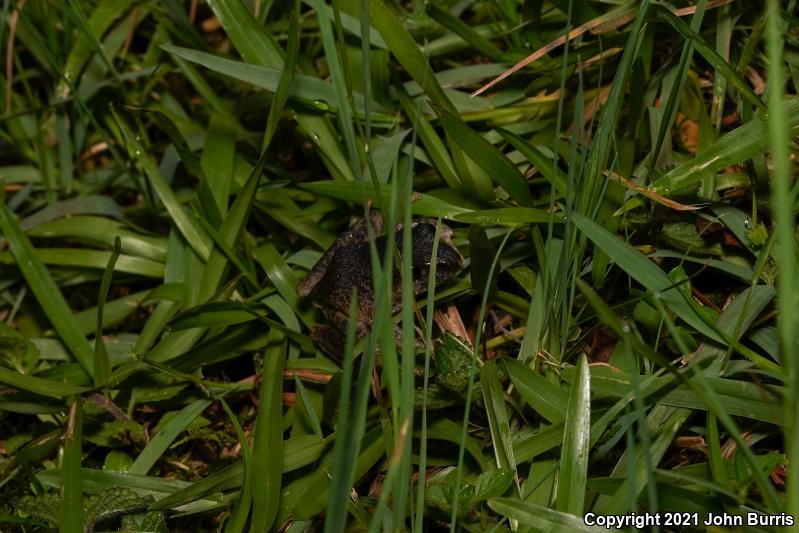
[347, 266]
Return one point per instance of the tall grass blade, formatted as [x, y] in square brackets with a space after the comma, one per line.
[267, 451]
[102, 365]
[470, 386]
[71, 508]
[784, 204]
[340, 483]
[238, 519]
[574, 457]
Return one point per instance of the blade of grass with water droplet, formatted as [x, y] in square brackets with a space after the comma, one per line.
[98, 23]
[258, 47]
[312, 91]
[509, 216]
[340, 87]
[189, 227]
[286, 78]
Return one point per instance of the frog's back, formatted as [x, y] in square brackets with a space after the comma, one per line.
[349, 269]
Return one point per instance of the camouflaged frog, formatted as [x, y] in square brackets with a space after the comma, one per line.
[347, 265]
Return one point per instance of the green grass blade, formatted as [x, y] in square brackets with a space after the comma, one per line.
[470, 386]
[723, 44]
[664, 423]
[538, 517]
[278, 273]
[427, 205]
[238, 519]
[340, 88]
[460, 28]
[92, 259]
[574, 457]
[254, 44]
[267, 464]
[669, 111]
[404, 48]
[286, 78]
[217, 165]
[37, 385]
[509, 216]
[311, 91]
[307, 406]
[714, 455]
[230, 232]
[710, 55]
[229, 476]
[340, 483]
[46, 291]
[94, 230]
[542, 163]
[98, 23]
[65, 151]
[189, 228]
[166, 436]
[732, 148]
[542, 395]
[780, 129]
[638, 267]
[433, 144]
[102, 366]
[258, 47]
[428, 341]
[72, 478]
[498, 423]
[488, 157]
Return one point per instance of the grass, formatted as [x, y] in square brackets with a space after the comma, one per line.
[621, 337]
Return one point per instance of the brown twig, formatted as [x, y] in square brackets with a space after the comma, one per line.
[652, 195]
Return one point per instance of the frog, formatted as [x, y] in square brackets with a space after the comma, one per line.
[347, 265]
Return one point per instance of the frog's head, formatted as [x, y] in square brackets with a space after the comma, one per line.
[448, 260]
